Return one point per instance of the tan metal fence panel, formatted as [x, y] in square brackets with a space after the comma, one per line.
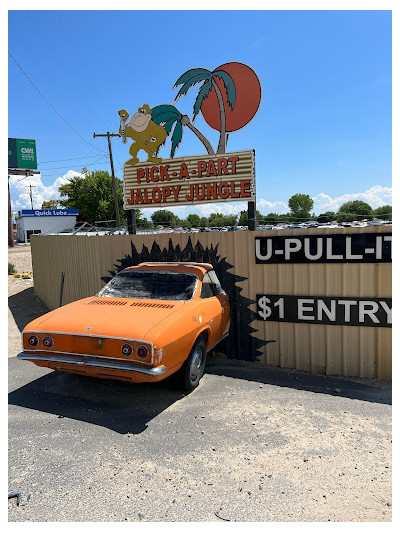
[315, 348]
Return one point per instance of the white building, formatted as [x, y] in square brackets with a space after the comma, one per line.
[44, 221]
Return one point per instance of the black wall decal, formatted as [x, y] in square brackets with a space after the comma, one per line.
[240, 343]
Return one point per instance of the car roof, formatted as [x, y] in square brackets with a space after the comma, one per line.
[191, 268]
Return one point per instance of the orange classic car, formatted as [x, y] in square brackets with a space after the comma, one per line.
[148, 322]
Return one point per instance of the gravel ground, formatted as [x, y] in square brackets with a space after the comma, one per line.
[251, 443]
[21, 258]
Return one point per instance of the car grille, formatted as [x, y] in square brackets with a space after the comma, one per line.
[106, 302]
[159, 306]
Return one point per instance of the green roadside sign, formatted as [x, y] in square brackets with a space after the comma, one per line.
[22, 153]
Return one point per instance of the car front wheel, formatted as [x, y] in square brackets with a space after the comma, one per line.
[193, 367]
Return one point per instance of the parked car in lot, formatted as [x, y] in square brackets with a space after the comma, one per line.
[147, 323]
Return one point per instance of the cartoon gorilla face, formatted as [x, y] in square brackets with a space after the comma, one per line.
[140, 120]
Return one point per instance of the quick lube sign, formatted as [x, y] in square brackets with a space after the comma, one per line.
[330, 248]
[48, 212]
[22, 153]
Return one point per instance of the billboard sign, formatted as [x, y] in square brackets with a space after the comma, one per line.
[22, 153]
[332, 248]
[190, 180]
[228, 98]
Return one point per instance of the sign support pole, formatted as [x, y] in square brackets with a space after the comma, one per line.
[251, 215]
[131, 217]
[251, 206]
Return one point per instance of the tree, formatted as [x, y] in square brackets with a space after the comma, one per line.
[142, 222]
[93, 195]
[384, 212]
[271, 218]
[300, 206]
[204, 222]
[197, 75]
[164, 218]
[184, 223]
[326, 217]
[194, 220]
[355, 210]
[243, 220]
[51, 204]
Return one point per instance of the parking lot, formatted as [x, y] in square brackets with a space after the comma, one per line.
[251, 443]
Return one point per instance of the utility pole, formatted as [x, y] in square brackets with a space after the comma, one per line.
[30, 193]
[16, 172]
[108, 135]
[10, 224]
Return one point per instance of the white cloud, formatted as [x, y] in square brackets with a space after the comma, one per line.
[265, 207]
[375, 196]
[19, 192]
[226, 209]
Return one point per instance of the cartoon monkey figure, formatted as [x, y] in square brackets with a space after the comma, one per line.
[146, 134]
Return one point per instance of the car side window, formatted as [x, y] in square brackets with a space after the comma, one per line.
[210, 286]
[215, 281]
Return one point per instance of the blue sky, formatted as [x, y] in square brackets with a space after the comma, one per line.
[323, 127]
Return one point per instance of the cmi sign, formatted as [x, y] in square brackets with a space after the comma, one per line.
[22, 153]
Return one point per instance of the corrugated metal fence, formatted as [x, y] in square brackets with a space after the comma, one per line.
[317, 348]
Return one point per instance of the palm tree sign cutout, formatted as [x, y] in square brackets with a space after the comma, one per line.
[198, 75]
[167, 116]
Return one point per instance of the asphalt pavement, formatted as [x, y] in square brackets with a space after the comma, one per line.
[251, 443]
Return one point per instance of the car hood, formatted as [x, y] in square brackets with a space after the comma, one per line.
[115, 317]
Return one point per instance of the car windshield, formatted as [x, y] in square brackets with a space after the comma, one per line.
[153, 285]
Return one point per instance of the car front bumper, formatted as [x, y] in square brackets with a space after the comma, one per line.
[92, 362]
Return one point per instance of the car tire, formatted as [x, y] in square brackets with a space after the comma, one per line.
[193, 368]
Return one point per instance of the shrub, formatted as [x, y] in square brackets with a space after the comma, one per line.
[11, 268]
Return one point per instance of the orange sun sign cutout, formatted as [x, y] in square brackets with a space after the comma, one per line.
[248, 98]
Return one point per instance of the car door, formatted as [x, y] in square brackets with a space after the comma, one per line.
[224, 301]
[216, 308]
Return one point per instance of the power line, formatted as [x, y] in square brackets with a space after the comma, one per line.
[88, 165]
[57, 174]
[70, 159]
[52, 107]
